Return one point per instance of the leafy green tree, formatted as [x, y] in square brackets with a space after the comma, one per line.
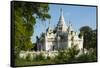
[85, 30]
[94, 39]
[25, 16]
[89, 37]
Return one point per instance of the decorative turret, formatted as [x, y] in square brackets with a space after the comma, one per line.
[69, 27]
[49, 29]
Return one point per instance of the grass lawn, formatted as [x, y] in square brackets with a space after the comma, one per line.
[20, 62]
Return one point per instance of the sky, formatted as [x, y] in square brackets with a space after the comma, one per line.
[77, 15]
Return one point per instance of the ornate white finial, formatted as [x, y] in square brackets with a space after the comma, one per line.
[61, 11]
[49, 22]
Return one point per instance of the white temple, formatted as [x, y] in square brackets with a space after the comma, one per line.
[61, 37]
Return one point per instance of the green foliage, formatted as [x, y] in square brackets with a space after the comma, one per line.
[90, 37]
[85, 29]
[22, 62]
[67, 55]
[39, 57]
[28, 57]
[48, 58]
[88, 57]
[64, 56]
[80, 35]
[73, 51]
[25, 15]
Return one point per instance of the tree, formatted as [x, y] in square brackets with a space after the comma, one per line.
[89, 37]
[25, 14]
[94, 39]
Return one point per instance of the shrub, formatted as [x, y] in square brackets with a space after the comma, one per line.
[67, 55]
[39, 57]
[48, 58]
[88, 57]
[28, 58]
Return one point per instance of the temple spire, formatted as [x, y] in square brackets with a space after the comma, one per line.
[61, 19]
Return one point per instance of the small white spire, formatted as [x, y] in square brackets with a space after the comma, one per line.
[49, 22]
[70, 25]
[61, 11]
